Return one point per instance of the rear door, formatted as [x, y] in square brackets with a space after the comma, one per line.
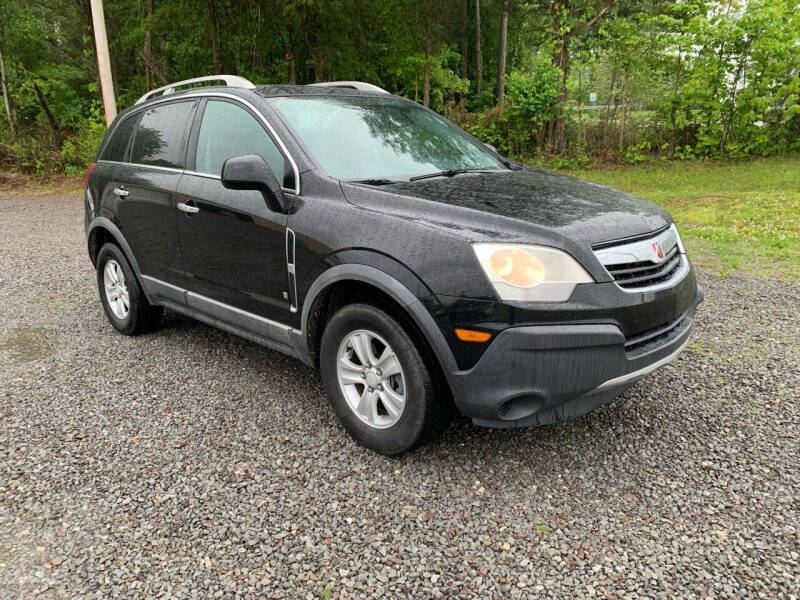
[233, 244]
[149, 183]
[104, 181]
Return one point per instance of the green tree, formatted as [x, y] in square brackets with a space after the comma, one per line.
[679, 78]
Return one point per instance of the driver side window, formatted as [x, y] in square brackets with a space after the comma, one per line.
[228, 130]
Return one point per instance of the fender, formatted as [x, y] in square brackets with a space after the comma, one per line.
[386, 263]
[389, 285]
[108, 225]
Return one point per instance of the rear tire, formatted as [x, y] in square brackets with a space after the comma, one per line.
[124, 302]
[377, 381]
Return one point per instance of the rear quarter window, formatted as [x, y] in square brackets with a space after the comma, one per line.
[118, 143]
[159, 139]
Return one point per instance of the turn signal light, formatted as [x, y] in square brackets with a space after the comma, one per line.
[470, 335]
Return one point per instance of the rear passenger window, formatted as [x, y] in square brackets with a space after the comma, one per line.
[159, 137]
[118, 144]
[228, 130]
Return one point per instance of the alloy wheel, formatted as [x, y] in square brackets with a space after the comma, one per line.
[371, 379]
[116, 290]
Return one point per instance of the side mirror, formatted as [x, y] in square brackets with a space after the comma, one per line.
[492, 148]
[250, 172]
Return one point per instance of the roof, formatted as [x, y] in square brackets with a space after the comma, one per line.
[265, 91]
[329, 88]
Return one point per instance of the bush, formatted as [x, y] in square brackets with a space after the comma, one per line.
[32, 150]
[638, 153]
[29, 152]
[534, 97]
[517, 126]
[79, 150]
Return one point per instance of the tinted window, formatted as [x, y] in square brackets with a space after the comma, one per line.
[363, 137]
[229, 130]
[116, 146]
[159, 137]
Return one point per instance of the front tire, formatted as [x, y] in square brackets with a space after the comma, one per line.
[124, 302]
[377, 381]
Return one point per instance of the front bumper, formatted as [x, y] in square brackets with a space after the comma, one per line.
[542, 374]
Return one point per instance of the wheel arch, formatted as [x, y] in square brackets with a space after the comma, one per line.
[102, 230]
[349, 283]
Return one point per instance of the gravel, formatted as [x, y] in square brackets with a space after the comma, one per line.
[192, 464]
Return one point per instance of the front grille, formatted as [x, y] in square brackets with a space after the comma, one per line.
[645, 263]
[657, 336]
[645, 273]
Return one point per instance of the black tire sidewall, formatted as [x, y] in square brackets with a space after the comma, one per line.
[404, 434]
[137, 302]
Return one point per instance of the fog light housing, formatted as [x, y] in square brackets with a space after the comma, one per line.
[520, 407]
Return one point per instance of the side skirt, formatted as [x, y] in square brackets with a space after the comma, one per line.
[244, 333]
[241, 319]
[265, 332]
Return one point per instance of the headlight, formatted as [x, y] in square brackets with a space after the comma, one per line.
[530, 273]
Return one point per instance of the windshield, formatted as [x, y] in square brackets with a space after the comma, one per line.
[356, 138]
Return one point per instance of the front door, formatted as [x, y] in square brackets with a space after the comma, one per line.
[233, 245]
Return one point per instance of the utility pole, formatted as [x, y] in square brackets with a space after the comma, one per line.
[103, 60]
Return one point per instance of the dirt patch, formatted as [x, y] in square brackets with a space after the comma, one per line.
[27, 344]
[18, 185]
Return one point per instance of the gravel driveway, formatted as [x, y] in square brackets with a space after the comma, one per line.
[192, 464]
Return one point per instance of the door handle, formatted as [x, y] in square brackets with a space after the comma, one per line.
[121, 192]
[188, 208]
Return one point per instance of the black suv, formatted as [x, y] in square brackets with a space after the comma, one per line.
[418, 269]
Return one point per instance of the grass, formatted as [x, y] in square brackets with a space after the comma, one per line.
[734, 217]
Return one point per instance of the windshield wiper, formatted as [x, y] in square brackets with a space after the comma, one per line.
[377, 181]
[512, 166]
[446, 173]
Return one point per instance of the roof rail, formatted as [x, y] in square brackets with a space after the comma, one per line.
[230, 80]
[356, 85]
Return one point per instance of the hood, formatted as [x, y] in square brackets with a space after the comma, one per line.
[579, 210]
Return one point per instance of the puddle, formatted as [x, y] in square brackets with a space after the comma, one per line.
[28, 343]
